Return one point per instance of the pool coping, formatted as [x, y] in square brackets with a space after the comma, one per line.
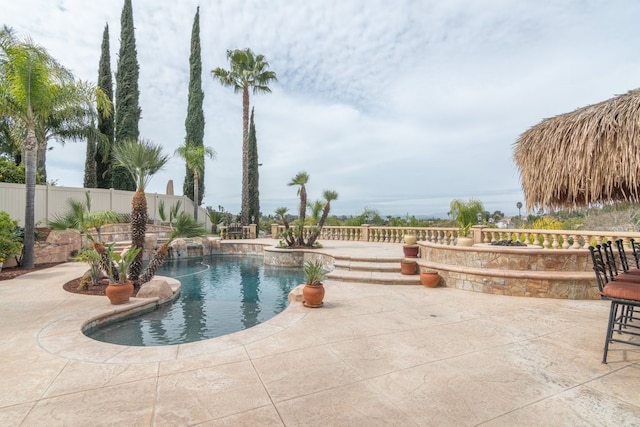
[65, 337]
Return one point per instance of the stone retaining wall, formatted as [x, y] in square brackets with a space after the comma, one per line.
[516, 271]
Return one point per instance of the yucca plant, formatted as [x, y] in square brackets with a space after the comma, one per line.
[93, 258]
[313, 273]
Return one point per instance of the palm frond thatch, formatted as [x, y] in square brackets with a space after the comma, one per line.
[588, 156]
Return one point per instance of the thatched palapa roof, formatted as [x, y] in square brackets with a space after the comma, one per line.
[588, 156]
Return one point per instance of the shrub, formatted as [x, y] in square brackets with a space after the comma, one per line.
[10, 242]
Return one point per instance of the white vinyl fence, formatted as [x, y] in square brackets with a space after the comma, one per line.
[51, 201]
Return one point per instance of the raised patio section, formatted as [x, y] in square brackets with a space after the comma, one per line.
[513, 270]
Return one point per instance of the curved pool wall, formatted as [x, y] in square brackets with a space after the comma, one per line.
[281, 257]
[515, 271]
[502, 270]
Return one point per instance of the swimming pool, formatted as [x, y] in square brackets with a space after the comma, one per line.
[219, 295]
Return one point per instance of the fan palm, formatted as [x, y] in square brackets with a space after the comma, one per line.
[142, 159]
[301, 180]
[329, 196]
[248, 70]
[75, 121]
[193, 156]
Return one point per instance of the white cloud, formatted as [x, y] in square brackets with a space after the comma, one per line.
[399, 106]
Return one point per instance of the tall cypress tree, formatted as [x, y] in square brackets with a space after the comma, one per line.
[105, 124]
[127, 94]
[252, 160]
[90, 179]
[194, 123]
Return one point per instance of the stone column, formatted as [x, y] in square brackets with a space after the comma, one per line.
[364, 236]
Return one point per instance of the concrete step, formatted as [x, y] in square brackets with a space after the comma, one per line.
[367, 266]
[385, 271]
[381, 278]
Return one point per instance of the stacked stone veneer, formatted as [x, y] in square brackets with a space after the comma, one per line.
[516, 271]
[285, 257]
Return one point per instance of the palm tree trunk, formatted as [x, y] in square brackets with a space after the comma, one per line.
[323, 219]
[303, 213]
[42, 160]
[196, 190]
[30, 163]
[155, 263]
[138, 230]
[244, 219]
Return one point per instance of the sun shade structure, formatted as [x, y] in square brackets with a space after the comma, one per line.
[588, 156]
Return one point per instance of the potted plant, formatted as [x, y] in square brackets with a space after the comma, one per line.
[408, 266]
[465, 214]
[313, 291]
[120, 286]
[429, 278]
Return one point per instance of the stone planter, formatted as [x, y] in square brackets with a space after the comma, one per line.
[464, 241]
[410, 239]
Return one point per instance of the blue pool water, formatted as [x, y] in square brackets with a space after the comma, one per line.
[220, 294]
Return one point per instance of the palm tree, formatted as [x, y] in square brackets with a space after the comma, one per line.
[76, 121]
[248, 70]
[519, 206]
[142, 159]
[79, 216]
[301, 180]
[193, 156]
[281, 213]
[33, 85]
[329, 196]
[466, 213]
[316, 209]
[185, 226]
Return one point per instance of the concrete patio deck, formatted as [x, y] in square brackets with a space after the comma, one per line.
[373, 355]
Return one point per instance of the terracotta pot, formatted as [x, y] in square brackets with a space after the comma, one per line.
[410, 239]
[411, 251]
[408, 267]
[429, 279]
[313, 295]
[119, 293]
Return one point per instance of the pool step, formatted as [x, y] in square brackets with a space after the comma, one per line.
[384, 271]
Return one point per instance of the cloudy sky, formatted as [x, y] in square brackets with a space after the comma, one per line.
[398, 106]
